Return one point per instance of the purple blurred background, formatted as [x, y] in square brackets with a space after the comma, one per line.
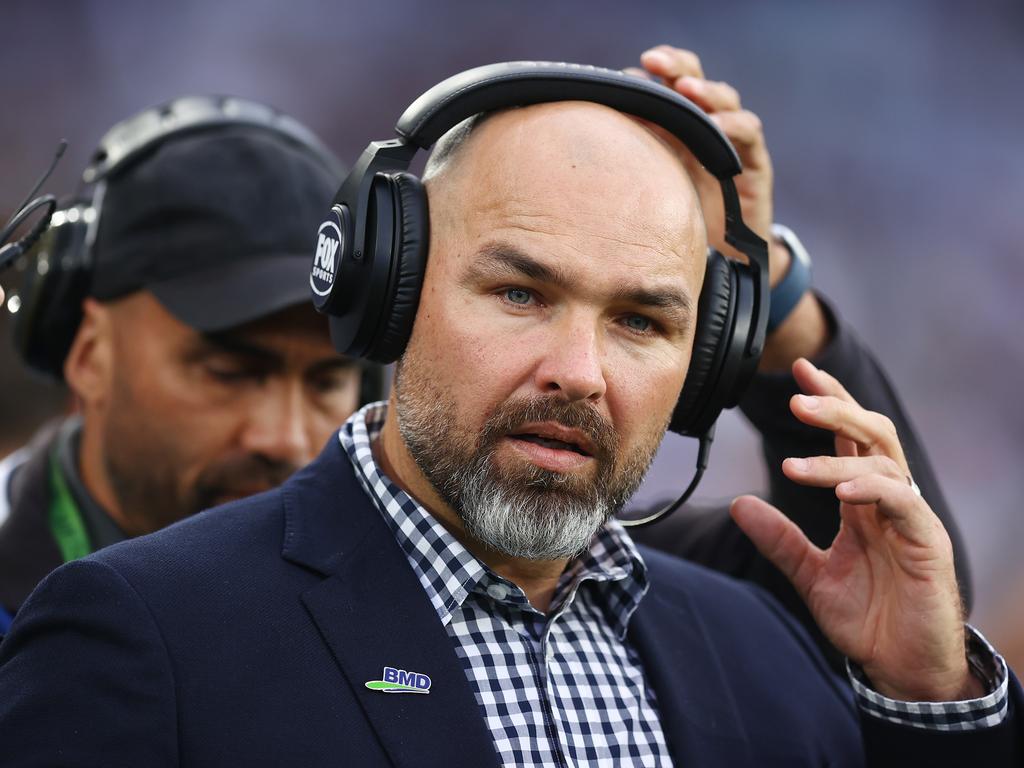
[895, 128]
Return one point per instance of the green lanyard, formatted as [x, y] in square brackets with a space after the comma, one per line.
[65, 520]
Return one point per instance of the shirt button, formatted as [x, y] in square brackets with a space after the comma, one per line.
[497, 591]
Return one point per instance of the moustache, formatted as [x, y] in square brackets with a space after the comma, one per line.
[513, 414]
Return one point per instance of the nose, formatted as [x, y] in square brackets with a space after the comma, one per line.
[573, 362]
[276, 427]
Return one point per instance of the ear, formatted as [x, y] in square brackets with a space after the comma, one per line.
[89, 365]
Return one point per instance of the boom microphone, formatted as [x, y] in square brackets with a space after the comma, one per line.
[11, 251]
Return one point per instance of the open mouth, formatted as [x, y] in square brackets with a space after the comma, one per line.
[549, 442]
[555, 437]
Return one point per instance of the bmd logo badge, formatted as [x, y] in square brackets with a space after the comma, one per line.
[400, 681]
[325, 262]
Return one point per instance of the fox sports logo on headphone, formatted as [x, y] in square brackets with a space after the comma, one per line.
[329, 244]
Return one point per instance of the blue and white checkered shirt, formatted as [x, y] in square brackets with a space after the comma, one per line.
[567, 687]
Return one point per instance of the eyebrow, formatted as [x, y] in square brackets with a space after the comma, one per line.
[676, 305]
[505, 260]
[502, 259]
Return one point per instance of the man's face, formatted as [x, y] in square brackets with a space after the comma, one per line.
[555, 325]
[190, 420]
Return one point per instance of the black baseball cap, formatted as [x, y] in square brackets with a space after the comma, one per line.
[217, 224]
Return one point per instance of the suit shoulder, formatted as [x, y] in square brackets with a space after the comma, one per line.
[239, 551]
[736, 614]
[722, 601]
[699, 582]
[228, 534]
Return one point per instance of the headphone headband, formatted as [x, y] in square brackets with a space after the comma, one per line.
[140, 133]
[496, 86]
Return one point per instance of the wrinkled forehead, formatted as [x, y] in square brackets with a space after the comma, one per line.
[573, 177]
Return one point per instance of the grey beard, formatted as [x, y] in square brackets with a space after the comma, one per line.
[534, 514]
[527, 522]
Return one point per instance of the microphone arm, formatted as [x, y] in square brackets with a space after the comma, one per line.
[9, 252]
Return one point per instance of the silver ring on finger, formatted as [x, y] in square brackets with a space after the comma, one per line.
[913, 485]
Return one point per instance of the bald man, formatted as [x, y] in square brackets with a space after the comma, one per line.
[446, 585]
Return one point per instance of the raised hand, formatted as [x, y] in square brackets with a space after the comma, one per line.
[805, 331]
[885, 591]
[681, 70]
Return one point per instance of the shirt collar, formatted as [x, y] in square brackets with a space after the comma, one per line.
[449, 572]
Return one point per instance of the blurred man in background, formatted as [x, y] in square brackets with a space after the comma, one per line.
[200, 370]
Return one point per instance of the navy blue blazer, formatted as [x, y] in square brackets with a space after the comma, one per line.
[245, 635]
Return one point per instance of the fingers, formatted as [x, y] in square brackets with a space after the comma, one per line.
[830, 471]
[871, 432]
[814, 381]
[709, 95]
[780, 540]
[896, 501]
[682, 71]
[743, 128]
[643, 74]
[671, 63]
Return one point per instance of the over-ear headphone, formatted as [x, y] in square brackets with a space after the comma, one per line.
[58, 277]
[372, 249]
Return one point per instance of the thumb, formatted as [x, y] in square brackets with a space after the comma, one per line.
[780, 540]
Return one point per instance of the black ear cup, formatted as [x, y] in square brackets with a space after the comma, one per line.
[716, 312]
[408, 260]
[55, 283]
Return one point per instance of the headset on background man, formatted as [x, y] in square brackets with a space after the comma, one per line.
[59, 276]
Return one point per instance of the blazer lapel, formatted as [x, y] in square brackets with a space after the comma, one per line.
[695, 703]
[372, 613]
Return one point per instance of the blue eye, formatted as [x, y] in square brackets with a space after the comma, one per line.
[638, 323]
[518, 295]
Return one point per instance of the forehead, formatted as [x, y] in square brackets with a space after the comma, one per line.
[578, 183]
